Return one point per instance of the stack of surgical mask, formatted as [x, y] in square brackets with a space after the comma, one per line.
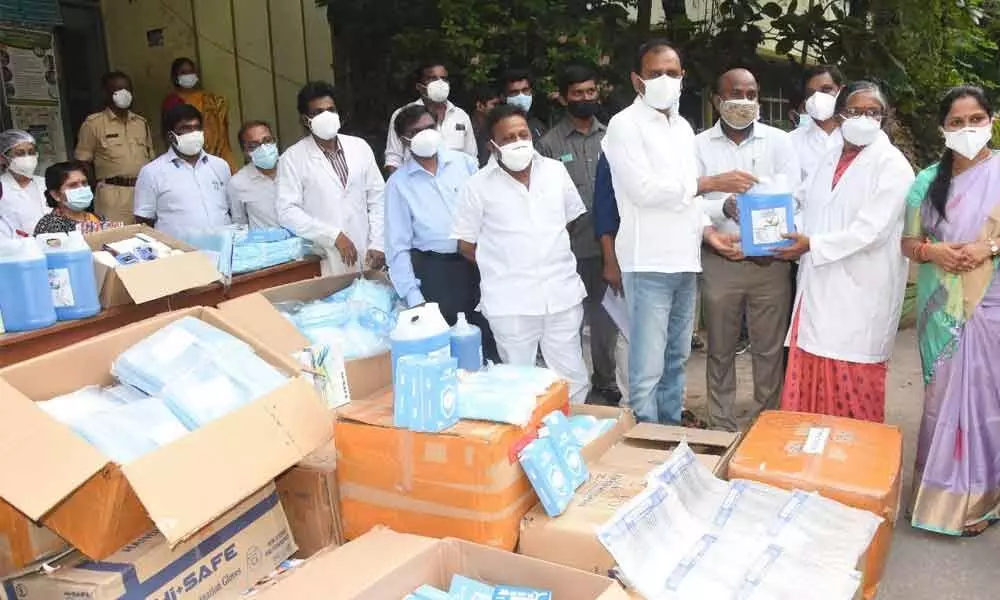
[358, 319]
[425, 393]
[503, 393]
[464, 588]
[238, 249]
[553, 464]
[201, 372]
[120, 421]
[691, 535]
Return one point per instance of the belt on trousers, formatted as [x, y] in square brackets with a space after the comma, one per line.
[121, 181]
[760, 261]
[454, 256]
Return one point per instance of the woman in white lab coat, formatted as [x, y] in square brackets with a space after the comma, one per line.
[330, 188]
[22, 193]
[851, 275]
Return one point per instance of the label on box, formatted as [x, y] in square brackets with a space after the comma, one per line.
[816, 440]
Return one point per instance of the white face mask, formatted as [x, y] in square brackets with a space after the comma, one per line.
[821, 105]
[662, 92]
[325, 125]
[187, 81]
[861, 131]
[24, 165]
[516, 156]
[438, 90]
[426, 143]
[191, 143]
[970, 141]
[122, 99]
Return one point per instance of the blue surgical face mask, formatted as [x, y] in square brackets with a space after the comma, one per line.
[523, 101]
[804, 120]
[265, 156]
[79, 199]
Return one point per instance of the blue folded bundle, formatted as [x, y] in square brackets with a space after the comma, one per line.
[263, 235]
[250, 255]
[358, 319]
[200, 371]
[128, 431]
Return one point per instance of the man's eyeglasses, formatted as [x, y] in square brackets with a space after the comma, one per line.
[251, 146]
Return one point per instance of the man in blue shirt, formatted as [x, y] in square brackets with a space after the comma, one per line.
[420, 199]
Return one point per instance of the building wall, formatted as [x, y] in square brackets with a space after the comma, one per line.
[257, 53]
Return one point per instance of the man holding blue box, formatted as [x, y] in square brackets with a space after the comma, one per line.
[734, 155]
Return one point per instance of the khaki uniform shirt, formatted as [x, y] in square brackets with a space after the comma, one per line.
[118, 148]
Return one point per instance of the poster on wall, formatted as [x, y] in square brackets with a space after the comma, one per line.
[31, 89]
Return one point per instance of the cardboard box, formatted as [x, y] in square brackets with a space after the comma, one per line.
[856, 463]
[221, 562]
[22, 542]
[388, 565]
[311, 501]
[256, 313]
[464, 482]
[56, 478]
[616, 476]
[151, 280]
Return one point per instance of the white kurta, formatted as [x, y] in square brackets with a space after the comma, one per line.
[315, 205]
[851, 282]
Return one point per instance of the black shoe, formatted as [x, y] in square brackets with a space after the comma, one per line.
[697, 343]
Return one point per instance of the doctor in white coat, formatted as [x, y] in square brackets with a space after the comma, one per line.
[852, 275]
[330, 188]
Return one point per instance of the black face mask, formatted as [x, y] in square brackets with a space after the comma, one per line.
[584, 109]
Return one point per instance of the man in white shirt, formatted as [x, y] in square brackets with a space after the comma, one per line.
[511, 221]
[453, 122]
[252, 191]
[330, 188]
[650, 149]
[739, 146]
[183, 188]
[821, 86]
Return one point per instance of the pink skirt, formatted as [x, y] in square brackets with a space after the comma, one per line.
[832, 387]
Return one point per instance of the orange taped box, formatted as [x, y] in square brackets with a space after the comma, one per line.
[257, 315]
[618, 467]
[856, 463]
[98, 506]
[464, 482]
[383, 564]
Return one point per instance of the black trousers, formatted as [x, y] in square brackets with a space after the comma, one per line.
[453, 283]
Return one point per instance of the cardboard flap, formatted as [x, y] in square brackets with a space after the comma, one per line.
[41, 460]
[229, 459]
[669, 434]
[159, 278]
[257, 315]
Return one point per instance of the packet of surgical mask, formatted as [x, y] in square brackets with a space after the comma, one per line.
[778, 574]
[463, 588]
[695, 487]
[126, 432]
[567, 447]
[548, 476]
[588, 428]
[69, 408]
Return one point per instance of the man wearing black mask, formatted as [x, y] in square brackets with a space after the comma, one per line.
[576, 142]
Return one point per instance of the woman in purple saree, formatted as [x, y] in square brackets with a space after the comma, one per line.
[953, 231]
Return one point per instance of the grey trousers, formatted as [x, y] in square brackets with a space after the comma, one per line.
[763, 291]
[603, 333]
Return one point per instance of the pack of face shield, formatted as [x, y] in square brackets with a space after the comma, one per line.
[693, 536]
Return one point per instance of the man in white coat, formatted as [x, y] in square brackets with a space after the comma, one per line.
[330, 188]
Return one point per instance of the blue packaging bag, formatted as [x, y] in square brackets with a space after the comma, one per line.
[547, 475]
[129, 431]
[463, 588]
[567, 447]
[425, 395]
[509, 592]
[428, 592]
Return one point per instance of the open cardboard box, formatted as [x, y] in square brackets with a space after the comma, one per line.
[387, 565]
[617, 475]
[256, 313]
[56, 478]
[150, 280]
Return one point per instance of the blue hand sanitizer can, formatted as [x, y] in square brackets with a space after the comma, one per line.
[467, 344]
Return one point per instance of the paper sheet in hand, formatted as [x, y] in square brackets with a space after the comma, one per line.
[615, 305]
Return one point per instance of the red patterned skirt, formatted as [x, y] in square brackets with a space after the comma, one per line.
[832, 387]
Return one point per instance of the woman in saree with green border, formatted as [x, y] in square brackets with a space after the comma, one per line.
[953, 231]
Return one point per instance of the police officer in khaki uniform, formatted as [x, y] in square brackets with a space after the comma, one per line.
[118, 142]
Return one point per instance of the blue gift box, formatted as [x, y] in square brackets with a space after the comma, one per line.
[764, 218]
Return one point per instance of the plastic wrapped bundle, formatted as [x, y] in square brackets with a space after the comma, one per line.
[202, 372]
[249, 254]
[588, 428]
[697, 488]
[750, 508]
[217, 242]
[69, 408]
[503, 393]
[128, 431]
[358, 318]
[779, 575]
